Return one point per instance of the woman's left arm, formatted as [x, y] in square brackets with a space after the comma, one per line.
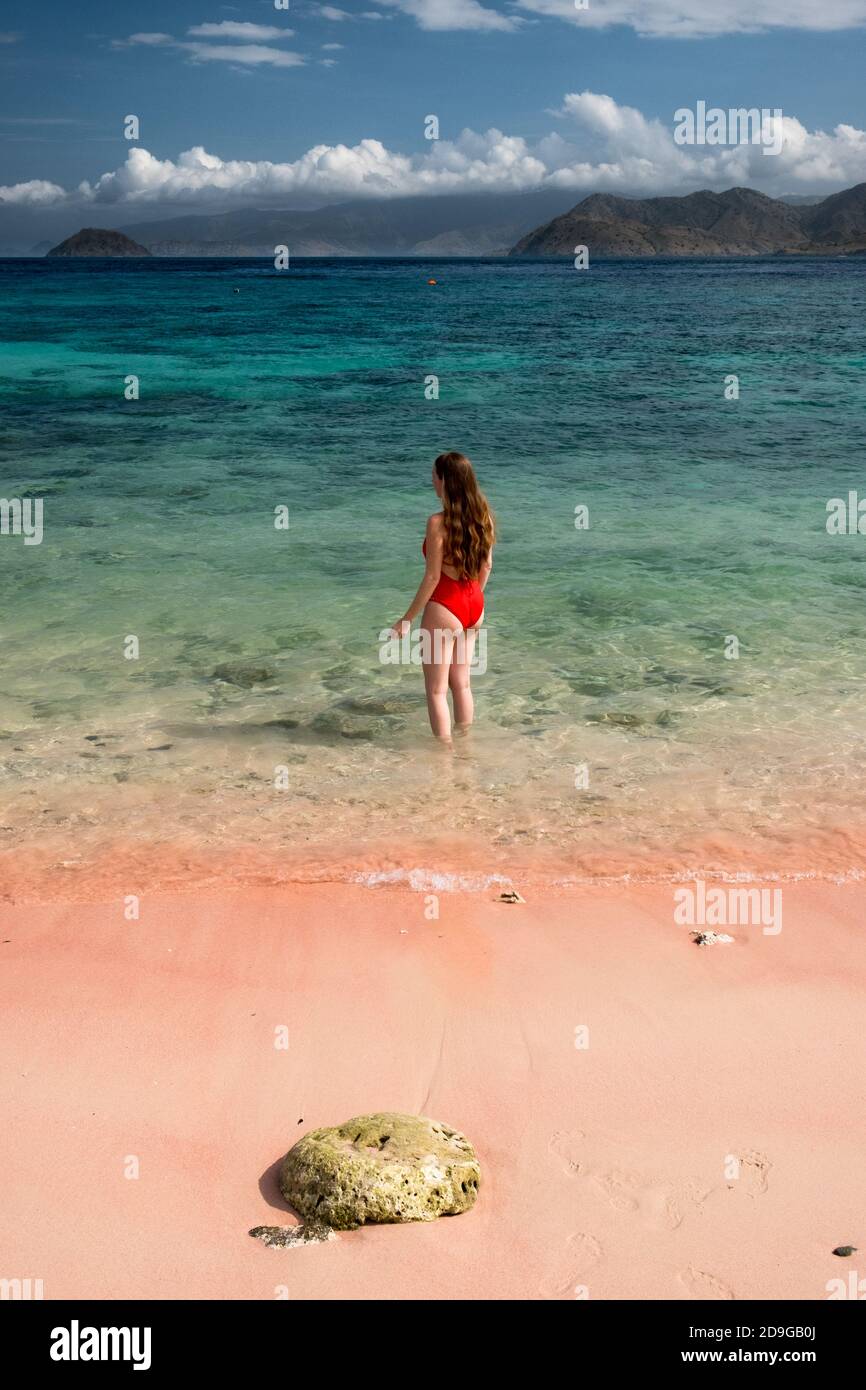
[485, 571]
[435, 543]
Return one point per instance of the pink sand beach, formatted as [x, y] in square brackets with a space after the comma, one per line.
[654, 1119]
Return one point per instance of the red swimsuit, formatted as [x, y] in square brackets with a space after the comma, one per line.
[462, 597]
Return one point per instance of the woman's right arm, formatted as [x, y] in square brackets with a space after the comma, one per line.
[434, 546]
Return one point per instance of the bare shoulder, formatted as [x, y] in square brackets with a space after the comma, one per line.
[435, 523]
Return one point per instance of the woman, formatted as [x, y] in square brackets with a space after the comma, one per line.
[458, 548]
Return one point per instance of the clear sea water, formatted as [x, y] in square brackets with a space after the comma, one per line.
[605, 647]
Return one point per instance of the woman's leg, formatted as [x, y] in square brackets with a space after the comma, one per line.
[458, 678]
[440, 627]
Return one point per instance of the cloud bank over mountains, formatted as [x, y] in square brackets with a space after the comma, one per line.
[608, 147]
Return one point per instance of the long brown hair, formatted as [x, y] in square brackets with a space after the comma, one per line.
[469, 526]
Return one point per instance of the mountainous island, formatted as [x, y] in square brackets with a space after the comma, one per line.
[97, 241]
[738, 222]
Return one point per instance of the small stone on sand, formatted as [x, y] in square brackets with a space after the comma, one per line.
[306, 1233]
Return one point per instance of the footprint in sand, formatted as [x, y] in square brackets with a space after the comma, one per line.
[570, 1148]
[660, 1203]
[754, 1172]
[569, 1272]
[699, 1284]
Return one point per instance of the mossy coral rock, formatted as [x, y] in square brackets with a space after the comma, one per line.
[380, 1168]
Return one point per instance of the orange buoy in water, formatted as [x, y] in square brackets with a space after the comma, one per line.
[431, 282]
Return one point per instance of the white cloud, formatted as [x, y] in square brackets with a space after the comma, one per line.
[621, 149]
[232, 29]
[8, 37]
[602, 146]
[148, 40]
[332, 46]
[253, 54]
[455, 14]
[494, 161]
[331, 12]
[37, 193]
[246, 53]
[695, 19]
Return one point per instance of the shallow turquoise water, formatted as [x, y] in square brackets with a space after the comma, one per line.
[605, 646]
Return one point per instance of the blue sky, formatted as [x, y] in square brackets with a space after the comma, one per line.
[69, 73]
